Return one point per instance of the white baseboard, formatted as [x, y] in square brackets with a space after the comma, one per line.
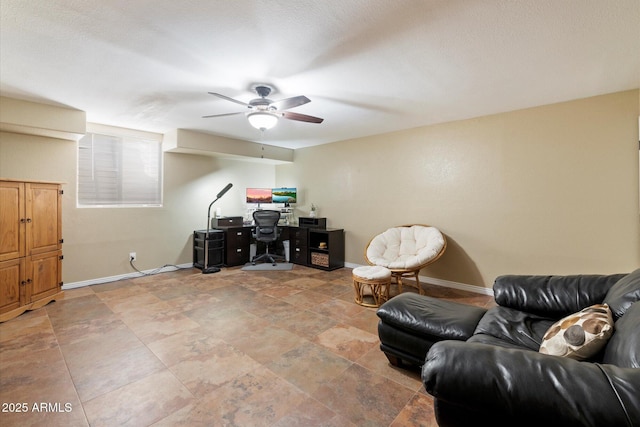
[424, 279]
[445, 283]
[457, 285]
[101, 280]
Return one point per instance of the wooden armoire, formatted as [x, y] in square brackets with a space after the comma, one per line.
[30, 245]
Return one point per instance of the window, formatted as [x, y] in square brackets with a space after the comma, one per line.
[119, 171]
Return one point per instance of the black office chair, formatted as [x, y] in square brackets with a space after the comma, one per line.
[266, 231]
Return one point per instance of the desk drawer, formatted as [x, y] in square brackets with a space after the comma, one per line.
[299, 237]
[237, 256]
[299, 256]
[238, 237]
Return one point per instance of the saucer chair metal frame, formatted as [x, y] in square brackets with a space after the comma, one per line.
[397, 274]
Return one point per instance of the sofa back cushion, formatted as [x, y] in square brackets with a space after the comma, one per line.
[552, 296]
[623, 294]
[623, 348]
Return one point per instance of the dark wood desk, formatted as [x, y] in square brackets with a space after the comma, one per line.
[304, 245]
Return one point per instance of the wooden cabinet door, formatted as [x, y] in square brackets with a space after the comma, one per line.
[12, 217]
[44, 217]
[11, 275]
[45, 272]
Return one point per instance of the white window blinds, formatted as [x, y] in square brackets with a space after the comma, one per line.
[119, 171]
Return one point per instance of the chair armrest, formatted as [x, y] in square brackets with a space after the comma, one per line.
[526, 386]
[552, 296]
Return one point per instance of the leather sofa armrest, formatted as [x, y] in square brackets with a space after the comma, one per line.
[524, 387]
[552, 296]
[431, 317]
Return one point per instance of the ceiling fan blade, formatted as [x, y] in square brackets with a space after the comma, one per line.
[285, 104]
[301, 117]
[219, 95]
[222, 115]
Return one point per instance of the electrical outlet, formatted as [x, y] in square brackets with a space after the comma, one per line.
[132, 256]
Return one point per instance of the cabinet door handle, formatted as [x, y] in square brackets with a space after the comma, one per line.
[239, 233]
[22, 220]
[28, 219]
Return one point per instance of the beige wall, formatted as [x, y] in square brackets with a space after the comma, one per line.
[545, 190]
[97, 241]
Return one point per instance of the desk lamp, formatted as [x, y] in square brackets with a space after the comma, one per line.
[205, 268]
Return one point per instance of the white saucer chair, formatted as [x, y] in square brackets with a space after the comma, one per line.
[405, 250]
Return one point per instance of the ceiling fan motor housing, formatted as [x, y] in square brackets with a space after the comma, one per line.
[262, 103]
[263, 90]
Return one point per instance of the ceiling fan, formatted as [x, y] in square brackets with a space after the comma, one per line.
[264, 113]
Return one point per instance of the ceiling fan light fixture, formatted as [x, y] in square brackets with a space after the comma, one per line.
[262, 120]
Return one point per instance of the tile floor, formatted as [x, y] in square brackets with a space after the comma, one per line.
[234, 348]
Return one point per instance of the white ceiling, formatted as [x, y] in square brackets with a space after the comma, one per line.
[368, 66]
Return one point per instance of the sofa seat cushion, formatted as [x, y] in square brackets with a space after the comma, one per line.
[516, 328]
[405, 248]
[580, 335]
[499, 342]
[623, 348]
[623, 294]
[430, 317]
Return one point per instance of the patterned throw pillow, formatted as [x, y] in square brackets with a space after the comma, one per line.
[580, 335]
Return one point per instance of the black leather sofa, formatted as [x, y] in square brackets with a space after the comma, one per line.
[483, 367]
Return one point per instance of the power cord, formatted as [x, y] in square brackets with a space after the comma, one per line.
[157, 270]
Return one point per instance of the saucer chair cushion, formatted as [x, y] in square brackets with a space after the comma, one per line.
[406, 248]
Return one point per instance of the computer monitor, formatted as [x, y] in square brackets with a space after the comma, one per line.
[258, 195]
[284, 195]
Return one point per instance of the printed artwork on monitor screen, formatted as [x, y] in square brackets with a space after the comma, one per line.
[258, 195]
[284, 195]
